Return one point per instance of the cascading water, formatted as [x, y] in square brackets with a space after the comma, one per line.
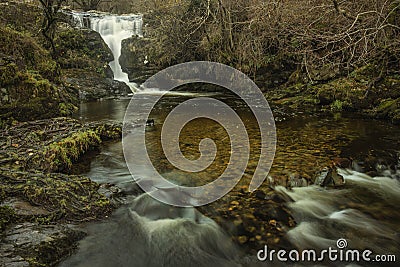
[113, 29]
[365, 213]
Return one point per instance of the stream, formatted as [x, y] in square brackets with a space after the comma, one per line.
[144, 232]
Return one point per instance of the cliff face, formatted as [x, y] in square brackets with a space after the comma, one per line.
[34, 84]
[30, 80]
[138, 58]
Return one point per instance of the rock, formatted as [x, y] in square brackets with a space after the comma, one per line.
[329, 176]
[92, 86]
[24, 208]
[29, 243]
[138, 59]
[260, 194]
[342, 162]
[243, 239]
[84, 49]
[296, 181]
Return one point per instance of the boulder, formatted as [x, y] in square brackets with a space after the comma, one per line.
[138, 59]
[92, 86]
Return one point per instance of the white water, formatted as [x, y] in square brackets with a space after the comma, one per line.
[149, 233]
[113, 29]
[324, 216]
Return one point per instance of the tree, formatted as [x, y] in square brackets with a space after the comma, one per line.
[87, 5]
[50, 19]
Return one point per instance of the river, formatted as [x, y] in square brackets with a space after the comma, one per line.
[144, 232]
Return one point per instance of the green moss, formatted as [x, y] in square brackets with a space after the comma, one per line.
[83, 49]
[386, 106]
[67, 109]
[27, 53]
[337, 106]
[8, 74]
[109, 132]
[30, 76]
[7, 216]
[68, 197]
[62, 154]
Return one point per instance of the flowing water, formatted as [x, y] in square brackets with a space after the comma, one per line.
[144, 232]
[113, 29]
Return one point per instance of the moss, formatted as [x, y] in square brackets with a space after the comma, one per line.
[33, 97]
[386, 106]
[8, 74]
[67, 109]
[7, 216]
[30, 77]
[389, 109]
[27, 53]
[109, 132]
[337, 106]
[66, 197]
[83, 49]
[61, 154]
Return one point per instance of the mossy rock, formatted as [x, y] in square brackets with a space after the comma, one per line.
[7, 216]
[83, 49]
[66, 197]
[31, 97]
[389, 109]
[21, 16]
[27, 54]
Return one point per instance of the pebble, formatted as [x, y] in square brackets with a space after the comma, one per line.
[242, 239]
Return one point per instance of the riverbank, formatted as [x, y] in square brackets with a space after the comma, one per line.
[41, 202]
[296, 73]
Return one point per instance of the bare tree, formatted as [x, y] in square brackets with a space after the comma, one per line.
[251, 34]
[50, 19]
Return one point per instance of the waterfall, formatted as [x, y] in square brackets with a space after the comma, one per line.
[113, 29]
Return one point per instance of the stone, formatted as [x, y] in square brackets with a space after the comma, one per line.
[32, 241]
[243, 239]
[92, 86]
[137, 59]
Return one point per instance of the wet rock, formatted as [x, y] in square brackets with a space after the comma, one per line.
[342, 162]
[139, 59]
[92, 86]
[329, 177]
[296, 181]
[260, 194]
[24, 208]
[29, 244]
[255, 219]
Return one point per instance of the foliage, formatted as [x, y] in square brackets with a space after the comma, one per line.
[252, 35]
[337, 106]
[51, 10]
